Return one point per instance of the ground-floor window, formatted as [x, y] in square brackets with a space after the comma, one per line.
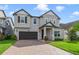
[57, 33]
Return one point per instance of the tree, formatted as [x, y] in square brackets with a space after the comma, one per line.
[72, 34]
[76, 26]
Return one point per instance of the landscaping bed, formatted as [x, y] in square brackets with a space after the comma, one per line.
[72, 47]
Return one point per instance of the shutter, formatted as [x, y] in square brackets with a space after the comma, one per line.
[25, 19]
[34, 21]
[18, 19]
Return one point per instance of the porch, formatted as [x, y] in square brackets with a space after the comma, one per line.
[47, 32]
[50, 31]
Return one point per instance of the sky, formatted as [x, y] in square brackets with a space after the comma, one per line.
[67, 12]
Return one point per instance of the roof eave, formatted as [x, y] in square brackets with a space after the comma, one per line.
[15, 13]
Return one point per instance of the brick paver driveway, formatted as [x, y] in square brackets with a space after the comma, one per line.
[33, 47]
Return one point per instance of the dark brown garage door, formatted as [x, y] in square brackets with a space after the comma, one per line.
[28, 35]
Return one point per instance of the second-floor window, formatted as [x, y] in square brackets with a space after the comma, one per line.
[34, 21]
[22, 19]
[7, 23]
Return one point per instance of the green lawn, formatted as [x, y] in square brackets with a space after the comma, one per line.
[72, 47]
[5, 44]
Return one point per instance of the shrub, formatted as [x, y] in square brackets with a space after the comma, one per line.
[7, 37]
[13, 37]
[45, 38]
[58, 39]
[10, 37]
[72, 35]
[2, 36]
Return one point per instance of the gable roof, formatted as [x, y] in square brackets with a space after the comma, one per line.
[52, 12]
[52, 25]
[2, 14]
[36, 16]
[19, 11]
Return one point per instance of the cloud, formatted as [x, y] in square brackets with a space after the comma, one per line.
[61, 21]
[76, 13]
[71, 17]
[10, 13]
[42, 7]
[60, 8]
[3, 7]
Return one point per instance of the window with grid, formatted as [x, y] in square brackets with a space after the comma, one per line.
[22, 19]
[57, 33]
[34, 21]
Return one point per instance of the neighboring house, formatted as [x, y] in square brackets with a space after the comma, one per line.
[5, 26]
[67, 26]
[8, 26]
[37, 27]
[77, 33]
[2, 21]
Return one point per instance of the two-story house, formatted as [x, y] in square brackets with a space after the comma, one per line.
[5, 26]
[9, 30]
[2, 21]
[28, 27]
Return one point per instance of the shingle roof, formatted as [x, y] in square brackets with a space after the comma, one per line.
[52, 12]
[52, 25]
[21, 10]
[35, 16]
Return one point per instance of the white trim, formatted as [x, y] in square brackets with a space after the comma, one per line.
[44, 31]
[53, 38]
